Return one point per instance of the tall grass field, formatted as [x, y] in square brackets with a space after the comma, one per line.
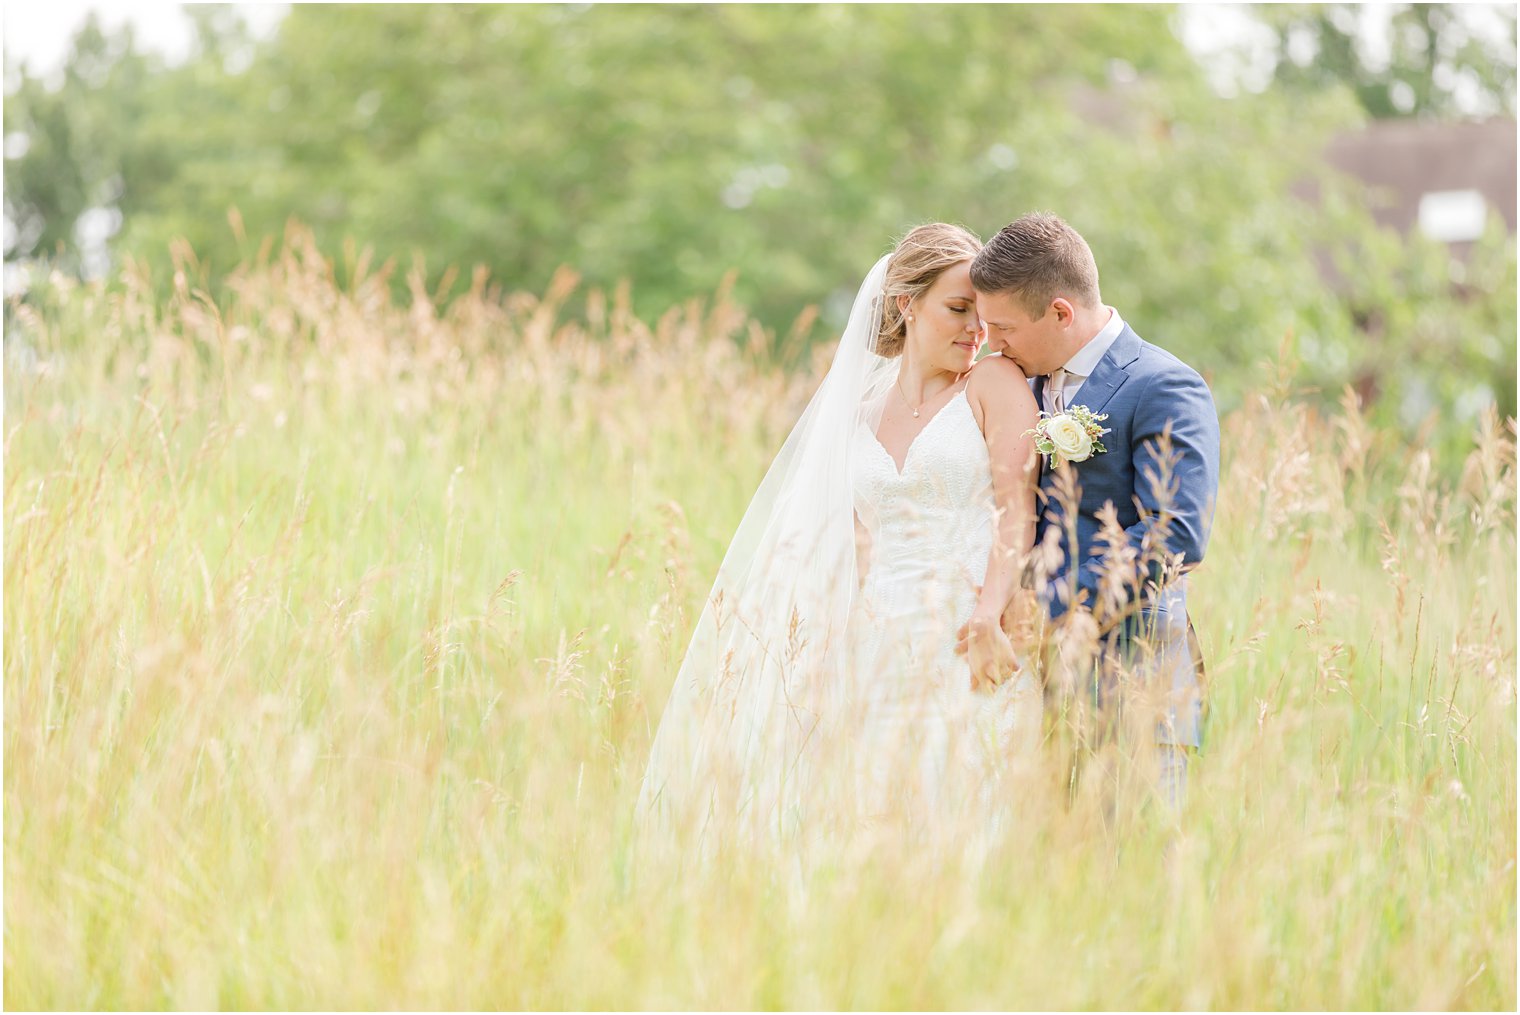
[337, 629]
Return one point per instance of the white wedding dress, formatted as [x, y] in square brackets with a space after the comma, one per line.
[815, 694]
[926, 744]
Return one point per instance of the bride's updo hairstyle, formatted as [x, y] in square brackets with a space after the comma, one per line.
[918, 260]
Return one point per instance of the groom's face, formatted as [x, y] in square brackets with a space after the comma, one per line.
[1037, 346]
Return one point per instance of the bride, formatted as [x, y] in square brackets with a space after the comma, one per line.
[851, 663]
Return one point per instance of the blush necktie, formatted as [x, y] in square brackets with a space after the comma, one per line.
[1055, 394]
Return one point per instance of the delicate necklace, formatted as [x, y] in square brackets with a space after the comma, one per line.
[904, 395]
[909, 404]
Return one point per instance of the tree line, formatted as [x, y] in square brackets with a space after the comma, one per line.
[670, 145]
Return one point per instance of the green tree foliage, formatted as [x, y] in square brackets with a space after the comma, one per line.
[669, 145]
[1440, 60]
[68, 148]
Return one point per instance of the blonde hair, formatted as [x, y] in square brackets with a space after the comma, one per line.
[920, 258]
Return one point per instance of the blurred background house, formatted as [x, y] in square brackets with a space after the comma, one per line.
[1443, 178]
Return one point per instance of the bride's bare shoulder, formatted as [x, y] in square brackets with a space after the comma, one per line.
[997, 365]
[996, 376]
[998, 388]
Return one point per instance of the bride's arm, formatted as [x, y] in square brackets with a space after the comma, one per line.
[1007, 410]
[862, 551]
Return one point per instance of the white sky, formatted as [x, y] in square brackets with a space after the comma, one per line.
[37, 32]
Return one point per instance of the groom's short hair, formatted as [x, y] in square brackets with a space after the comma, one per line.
[1036, 258]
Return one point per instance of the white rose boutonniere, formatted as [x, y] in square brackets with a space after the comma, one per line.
[1073, 436]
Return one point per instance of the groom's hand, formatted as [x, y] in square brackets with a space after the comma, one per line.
[987, 650]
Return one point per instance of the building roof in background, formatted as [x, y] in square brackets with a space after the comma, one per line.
[1424, 168]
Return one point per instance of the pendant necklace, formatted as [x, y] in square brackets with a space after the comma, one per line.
[904, 395]
[909, 404]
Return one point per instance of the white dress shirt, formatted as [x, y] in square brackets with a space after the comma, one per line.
[1086, 359]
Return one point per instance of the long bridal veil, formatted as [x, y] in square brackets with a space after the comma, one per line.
[763, 676]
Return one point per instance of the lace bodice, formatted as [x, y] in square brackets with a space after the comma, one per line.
[922, 730]
[931, 524]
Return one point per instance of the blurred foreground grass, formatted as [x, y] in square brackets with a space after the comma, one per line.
[336, 632]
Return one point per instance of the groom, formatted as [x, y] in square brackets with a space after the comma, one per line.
[1125, 592]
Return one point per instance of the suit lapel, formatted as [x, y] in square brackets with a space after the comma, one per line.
[1110, 373]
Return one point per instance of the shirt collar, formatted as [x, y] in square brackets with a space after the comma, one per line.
[1087, 358]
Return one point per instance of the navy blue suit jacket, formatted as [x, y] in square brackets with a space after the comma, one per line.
[1146, 392]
